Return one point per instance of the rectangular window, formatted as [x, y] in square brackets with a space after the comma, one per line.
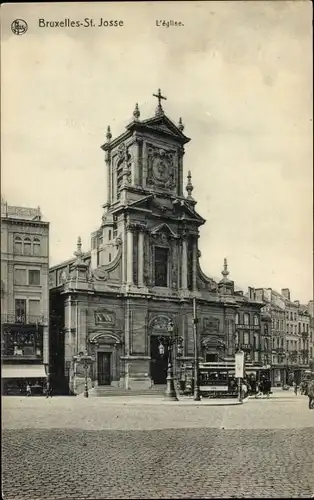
[20, 310]
[161, 266]
[34, 307]
[27, 247]
[110, 257]
[36, 247]
[20, 277]
[33, 277]
[109, 235]
[18, 246]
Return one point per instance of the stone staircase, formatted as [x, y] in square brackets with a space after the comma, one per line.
[109, 391]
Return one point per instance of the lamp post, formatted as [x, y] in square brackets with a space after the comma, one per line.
[85, 360]
[197, 394]
[170, 341]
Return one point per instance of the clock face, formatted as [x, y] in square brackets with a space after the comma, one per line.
[161, 169]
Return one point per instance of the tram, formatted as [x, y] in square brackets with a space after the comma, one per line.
[217, 379]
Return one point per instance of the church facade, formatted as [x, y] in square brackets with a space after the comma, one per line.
[116, 301]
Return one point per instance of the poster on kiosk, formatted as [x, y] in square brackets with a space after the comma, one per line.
[239, 364]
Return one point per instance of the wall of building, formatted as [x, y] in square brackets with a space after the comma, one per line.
[25, 289]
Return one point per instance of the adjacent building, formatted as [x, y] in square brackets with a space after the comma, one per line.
[134, 288]
[24, 297]
[290, 334]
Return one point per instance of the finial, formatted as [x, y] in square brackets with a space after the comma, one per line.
[78, 253]
[180, 126]
[108, 134]
[136, 112]
[159, 110]
[225, 271]
[189, 186]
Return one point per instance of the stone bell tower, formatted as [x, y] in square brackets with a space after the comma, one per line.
[146, 210]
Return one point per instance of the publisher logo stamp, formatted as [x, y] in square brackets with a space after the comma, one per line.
[19, 27]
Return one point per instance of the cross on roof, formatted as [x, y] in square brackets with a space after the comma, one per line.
[159, 97]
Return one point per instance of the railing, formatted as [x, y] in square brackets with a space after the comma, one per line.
[280, 350]
[20, 357]
[28, 319]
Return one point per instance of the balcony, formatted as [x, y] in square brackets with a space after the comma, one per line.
[279, 350]
[23, 320]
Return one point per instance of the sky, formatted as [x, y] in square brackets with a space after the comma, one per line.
[240, 76]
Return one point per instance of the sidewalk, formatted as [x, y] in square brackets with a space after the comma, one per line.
[161, 400]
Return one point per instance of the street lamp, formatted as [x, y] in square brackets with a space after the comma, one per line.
[85, 360]
[170, 341]
[197, 393]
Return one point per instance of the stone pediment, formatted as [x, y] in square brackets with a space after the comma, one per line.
[164, 229]
[176, 209]
[161, 125]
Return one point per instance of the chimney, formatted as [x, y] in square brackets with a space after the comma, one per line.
[286, 293]
[252, 294]
[296, 302]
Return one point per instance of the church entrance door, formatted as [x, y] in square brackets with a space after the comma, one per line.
[159, 364]
[104, 368]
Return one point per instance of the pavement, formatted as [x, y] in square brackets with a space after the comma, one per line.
[141, 447]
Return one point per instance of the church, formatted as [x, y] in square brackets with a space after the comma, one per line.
[142, 272]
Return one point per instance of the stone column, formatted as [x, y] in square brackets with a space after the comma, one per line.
[180, 172]
[107, 160]
[136, 166]
[184, 264]
[129, 266]
[194, 264]
[140, 253]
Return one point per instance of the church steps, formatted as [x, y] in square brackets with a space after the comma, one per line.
[108, 391]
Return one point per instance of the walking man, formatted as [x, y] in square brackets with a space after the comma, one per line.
[48, 390]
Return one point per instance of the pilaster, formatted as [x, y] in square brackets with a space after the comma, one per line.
[184, 264]
[141, 259]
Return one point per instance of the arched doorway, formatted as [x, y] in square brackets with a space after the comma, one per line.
[106, 351]
[158, 329]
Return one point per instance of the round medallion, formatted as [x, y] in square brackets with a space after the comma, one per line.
[161, 169]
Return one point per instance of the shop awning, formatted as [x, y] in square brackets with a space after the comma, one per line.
[23, 371]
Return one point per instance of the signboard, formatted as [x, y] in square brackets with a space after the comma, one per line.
[248, 327]
[239, 364]
[215, 388]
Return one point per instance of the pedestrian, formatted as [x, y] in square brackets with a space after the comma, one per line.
[260, 388]
[244, 389]
[48, 390]
[310, 393]
[295, 385]
[28, 389]
[268, 388]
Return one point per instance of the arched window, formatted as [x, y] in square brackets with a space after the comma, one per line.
[256, 320]
[27, 247]
[36, 246]
[255, 342]
[265, 344]
[18, 245]
[246, 338]
[246, 319]
[237, 319]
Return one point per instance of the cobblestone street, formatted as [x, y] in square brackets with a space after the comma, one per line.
[141, 448]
